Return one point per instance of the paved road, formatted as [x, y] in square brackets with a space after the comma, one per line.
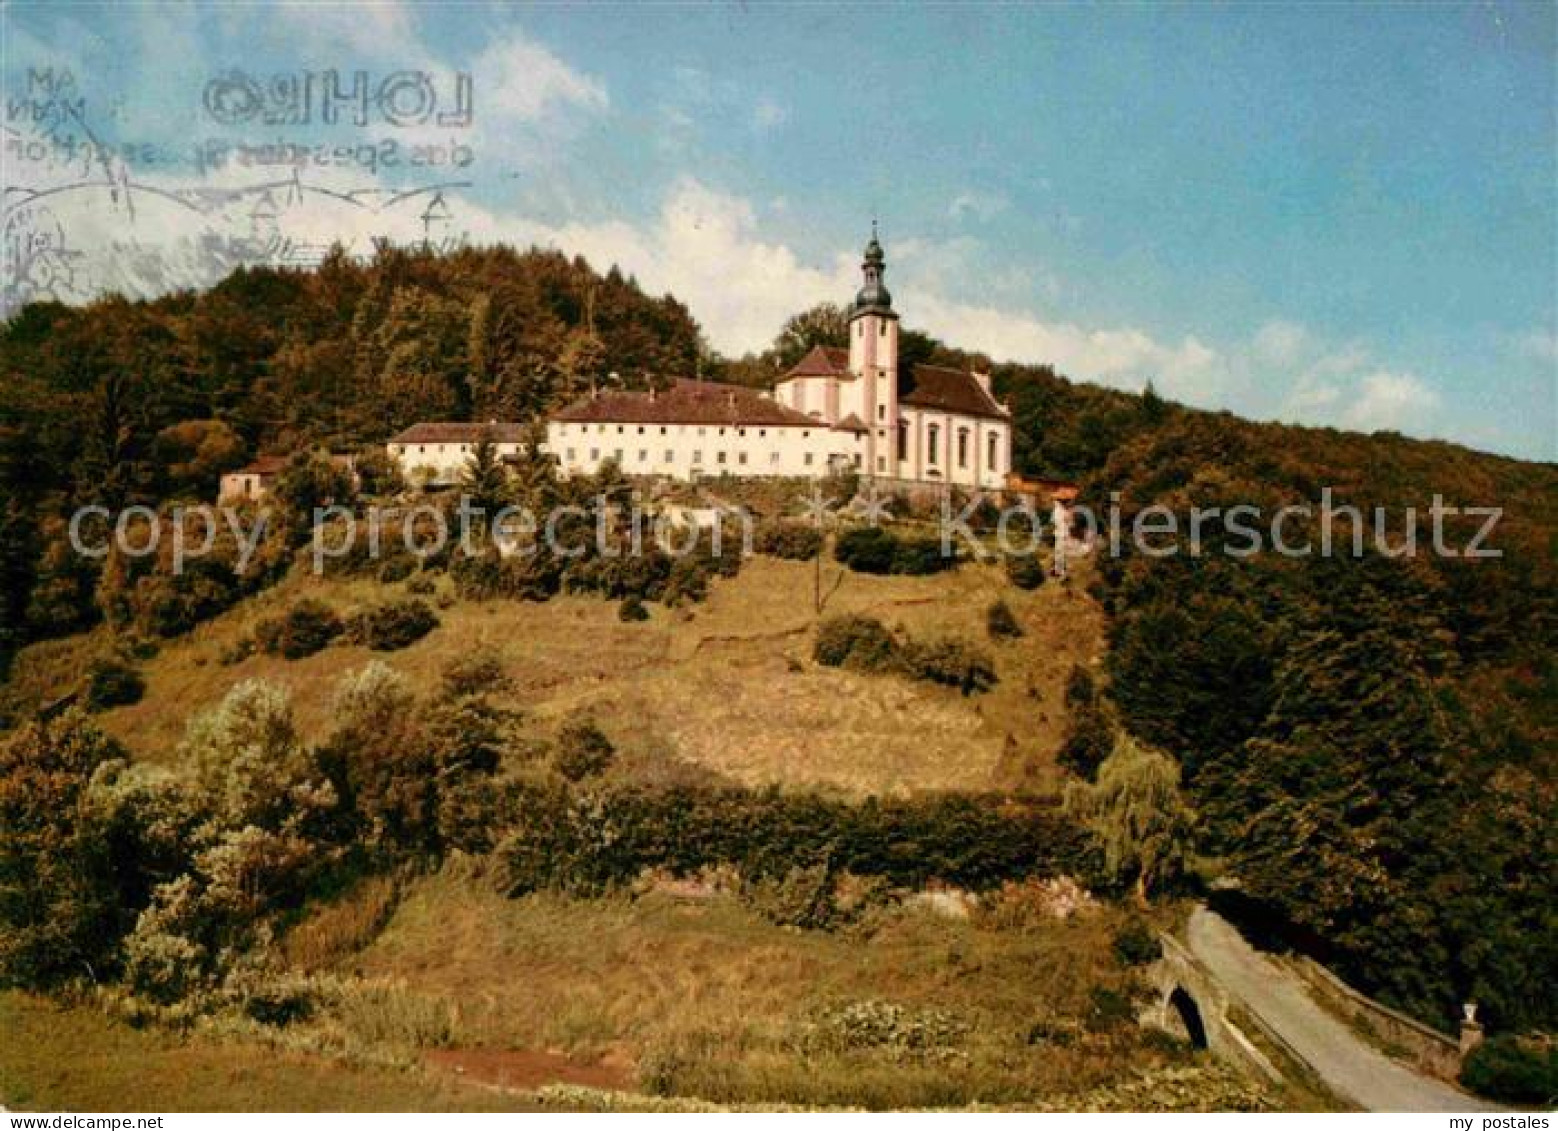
[1350, 1067]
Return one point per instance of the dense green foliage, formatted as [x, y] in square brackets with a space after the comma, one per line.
[123, 402]
[1514, 1070]
[1370, 740]
[586, 840]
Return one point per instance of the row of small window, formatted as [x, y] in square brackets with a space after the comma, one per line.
[681, 430]
[463, 449]
[670, 456]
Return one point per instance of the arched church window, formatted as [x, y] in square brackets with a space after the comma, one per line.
[933, 443]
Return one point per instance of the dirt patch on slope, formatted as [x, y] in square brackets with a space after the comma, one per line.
[526, 1069]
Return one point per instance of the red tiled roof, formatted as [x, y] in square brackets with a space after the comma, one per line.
[460, 433]
[685, 402]
[822, 361]
[852, 423]
[948, 390]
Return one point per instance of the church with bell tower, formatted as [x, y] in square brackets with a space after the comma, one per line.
[854, 406]
[915, 423]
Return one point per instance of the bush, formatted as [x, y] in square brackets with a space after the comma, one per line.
[477, 673]
[920, 556]
[391, 626]
[1089, 738]
[1001, 623]
[306, 628]
[866, 549]
[113, 682]
[397, 569]
[1080, 689]
[1135, 944]
[1513, 1070]
[952, 663]
[632, 609]
[802, 897]
[1026, 571]
[858, 643]
[1108, 1009]
[874, 549]
[583, 750]
[793, 541]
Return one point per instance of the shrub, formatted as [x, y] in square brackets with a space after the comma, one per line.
[477, 673]
[391, 626]
[1000, 621]
[1108, 1009]
[920, 556]
[306, 628]
[113, 682]
[1135, 944]
[59, 911]
[802, 897]
[397, 569]
[866, 549]
[1514, 1070]
[793, 541]
[855, 642]
[1090, 736]
[952, 663]
[1026, 571]
[1079, 686]
[632, 609]
[583, 751]
[874, 549]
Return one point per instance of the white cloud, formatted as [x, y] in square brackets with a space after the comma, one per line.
[1399, 401]
[376, 28]
[704, 247]
[1280, 342]
[523, 81]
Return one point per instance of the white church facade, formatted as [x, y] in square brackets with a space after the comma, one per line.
[851, 407]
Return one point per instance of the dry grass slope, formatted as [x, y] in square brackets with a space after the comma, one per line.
[728, 684]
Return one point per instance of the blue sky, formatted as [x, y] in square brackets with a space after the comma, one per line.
[1330, 214]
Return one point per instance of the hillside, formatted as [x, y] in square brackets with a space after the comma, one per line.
[727, 686]
[1366, 742]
